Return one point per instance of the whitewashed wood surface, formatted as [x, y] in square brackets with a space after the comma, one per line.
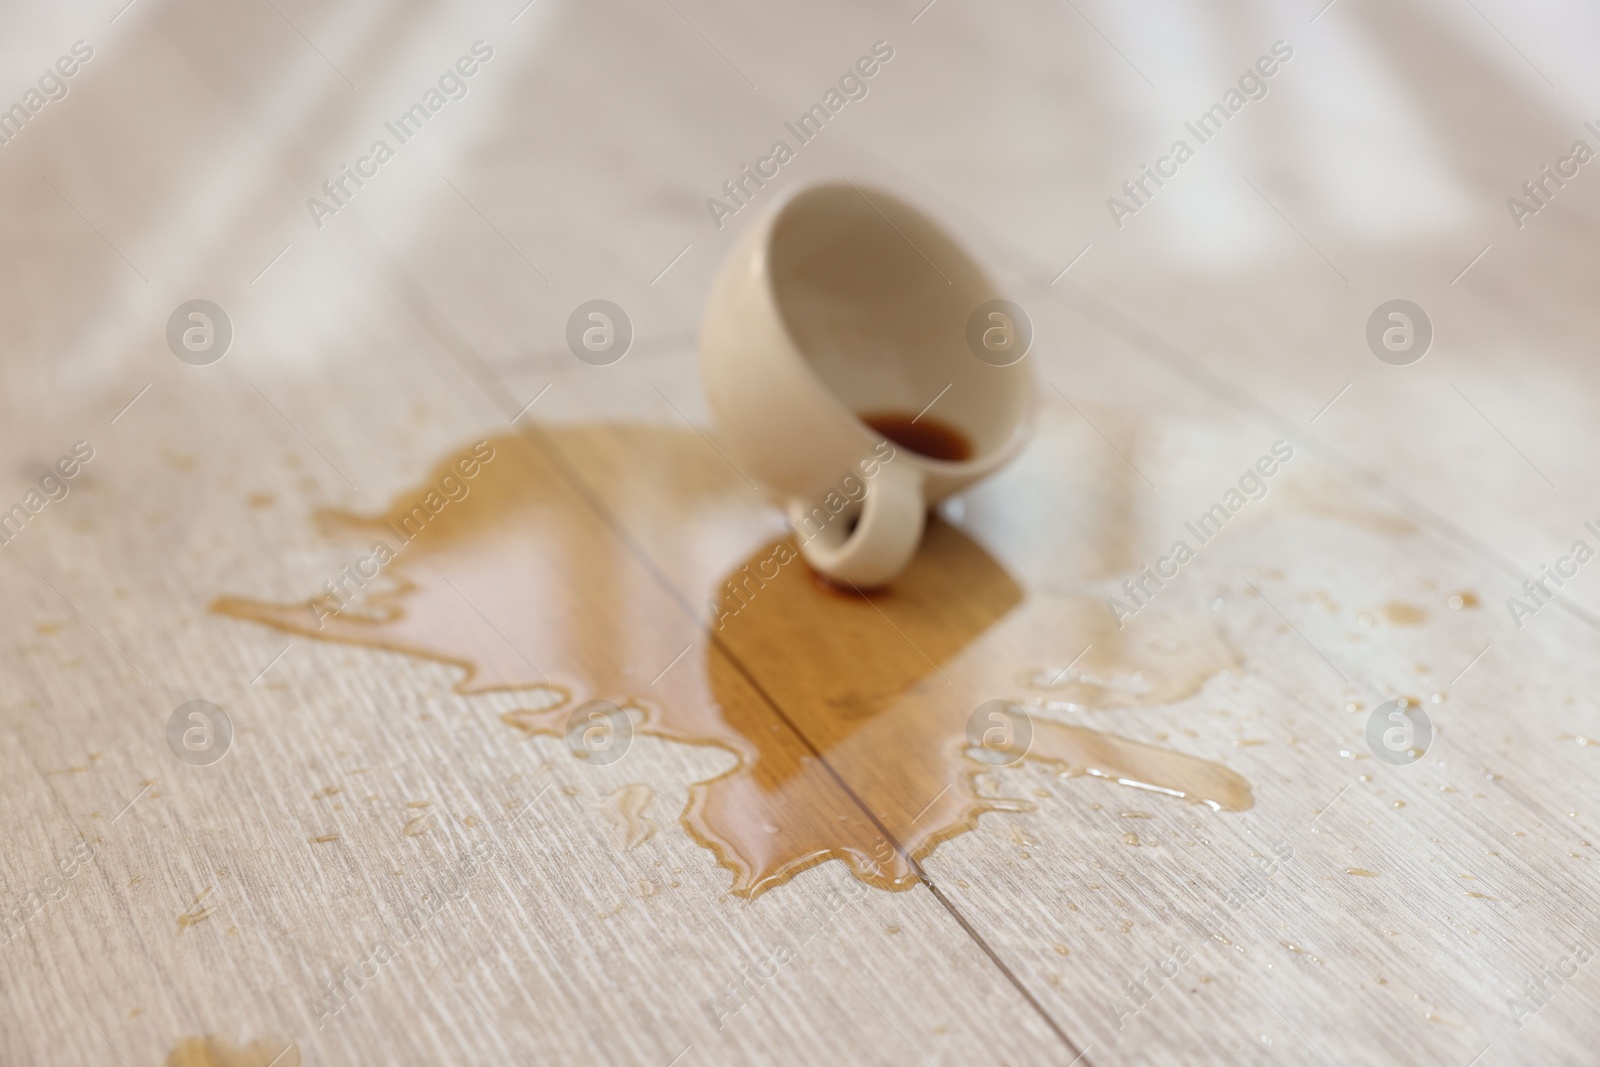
[1224, 316]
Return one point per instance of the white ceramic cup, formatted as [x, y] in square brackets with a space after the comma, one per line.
[844, 302]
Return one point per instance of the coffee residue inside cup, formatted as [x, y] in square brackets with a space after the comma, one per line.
[924, 435]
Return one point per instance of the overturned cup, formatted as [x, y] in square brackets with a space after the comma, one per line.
[836, 357]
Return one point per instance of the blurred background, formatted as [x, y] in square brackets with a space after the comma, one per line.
[579, 164]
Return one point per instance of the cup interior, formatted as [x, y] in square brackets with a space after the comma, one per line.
[877, 299]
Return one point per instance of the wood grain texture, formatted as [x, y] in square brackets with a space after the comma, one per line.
[162, 912]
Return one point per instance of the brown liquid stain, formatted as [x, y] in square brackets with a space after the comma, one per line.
[1360, 872]
[1318, 492]
[1162, 660]
[625, 808]
[865, 676]
[212, 1051]
[534, 720]
[1402, 614]
[520, 586]
[198, 912]
[923, 434]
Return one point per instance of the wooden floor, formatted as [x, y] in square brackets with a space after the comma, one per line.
[400, 860]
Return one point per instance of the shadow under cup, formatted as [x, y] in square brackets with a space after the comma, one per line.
[877, 299]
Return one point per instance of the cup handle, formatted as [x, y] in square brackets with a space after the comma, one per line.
[885, 538]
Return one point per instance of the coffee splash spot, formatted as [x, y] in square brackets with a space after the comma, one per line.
[536, 720]
[1161, 660]
[1319, 492]
[212, 1051]
[518, 584]
[198, 912]
[625, 809]
[1401, 613]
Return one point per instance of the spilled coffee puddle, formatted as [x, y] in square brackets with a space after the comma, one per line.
[883, 685]
[505, 573]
